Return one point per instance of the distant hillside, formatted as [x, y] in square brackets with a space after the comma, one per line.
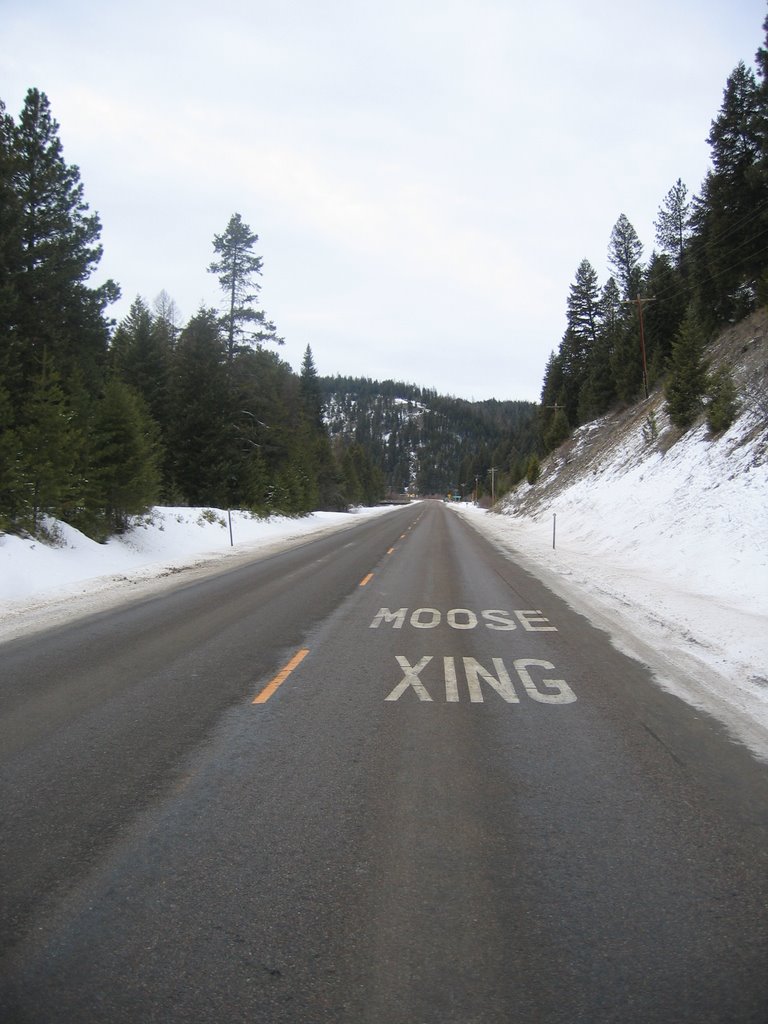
[429, 443]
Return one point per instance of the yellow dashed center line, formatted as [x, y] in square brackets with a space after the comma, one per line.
[263, 696]
[282, 675]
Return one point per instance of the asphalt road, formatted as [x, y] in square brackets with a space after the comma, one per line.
[385, 777]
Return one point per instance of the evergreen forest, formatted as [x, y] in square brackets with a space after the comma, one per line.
[423, 443]
[101, 420]
[649, 323]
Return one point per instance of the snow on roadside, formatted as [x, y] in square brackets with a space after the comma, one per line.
[667, 552]
[43, 585]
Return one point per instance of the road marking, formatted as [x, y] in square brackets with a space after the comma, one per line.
[411, 678]
[500, 682]
[532, 621]
[545, 691]
[366, 579]
[451, 682]
[496, 619]
[282, 675]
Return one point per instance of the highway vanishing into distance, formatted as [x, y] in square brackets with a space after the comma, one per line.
[385, 776]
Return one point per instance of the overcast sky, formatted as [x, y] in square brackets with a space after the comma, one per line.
[425, 176]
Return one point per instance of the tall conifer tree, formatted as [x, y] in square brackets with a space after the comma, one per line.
[54, 309]
[687, 380]
[731, 212]
[673, 225]
[124, 459]
[581, 336]
[200, 412]
[237, 267]
[10, 259]
[310, 390]
[48, 444]
[625, 252]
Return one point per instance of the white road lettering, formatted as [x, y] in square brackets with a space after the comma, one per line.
[411, 678]
[502, 685]
[385, 615]
[496, 619]
[461, 618]
[451, 683]
[563, 694]
[545, 691]
[432, 619]
[529, 620]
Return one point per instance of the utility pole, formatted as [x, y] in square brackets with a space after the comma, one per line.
[639, 303]
[493, 471]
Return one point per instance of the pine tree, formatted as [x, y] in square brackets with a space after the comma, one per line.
[10, 471]
[141, 357]
[124, 459]
[723, 405]
[673, 226]
[624, 255]
[759, 172]
[731, 212]
[48, 443]
[665, 314]
[311, 395]
[583, 305]
[200, 413]
[320, 466]
[11, 370]
[581, 337]
[557, 431]
[56, 315]
[598, 389]
[625, 251]
[687, 380]
[553, 428]
[533, 469]
[237, 267]
[627, 364]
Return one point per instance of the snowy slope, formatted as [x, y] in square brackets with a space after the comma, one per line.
[662, 540]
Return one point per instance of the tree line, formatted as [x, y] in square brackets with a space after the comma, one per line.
[98, 423]
[650, 321]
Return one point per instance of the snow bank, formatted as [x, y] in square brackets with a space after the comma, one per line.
[43, 585]
[665, 550]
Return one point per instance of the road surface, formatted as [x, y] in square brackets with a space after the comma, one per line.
[384, 777]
